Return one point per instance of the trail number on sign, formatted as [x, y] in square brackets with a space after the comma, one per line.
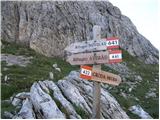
[112, 42]
[115, 56]
[86, 72]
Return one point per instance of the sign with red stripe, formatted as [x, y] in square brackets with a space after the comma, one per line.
[94, 74]
[115, 56]
[112, 42]
[86, 72]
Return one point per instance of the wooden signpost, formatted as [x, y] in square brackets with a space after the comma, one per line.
[87, 54]
[91, 45]
[89, 58]
[98, 44]
[90, 73]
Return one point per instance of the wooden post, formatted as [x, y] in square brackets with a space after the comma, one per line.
[96, 85]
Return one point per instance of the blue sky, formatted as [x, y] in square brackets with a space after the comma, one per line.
[144, 14]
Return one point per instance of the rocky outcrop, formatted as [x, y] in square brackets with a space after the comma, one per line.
[48, 27]
[68, 98]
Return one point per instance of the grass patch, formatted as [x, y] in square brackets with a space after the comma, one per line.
[81, 112]
[6, 107]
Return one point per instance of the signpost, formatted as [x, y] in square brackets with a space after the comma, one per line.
[97, 51]
[90, 73]
[88, 58]
[91, 45]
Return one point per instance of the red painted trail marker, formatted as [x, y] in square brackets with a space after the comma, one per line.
[112, 42]
[86, 72]
[115, 56]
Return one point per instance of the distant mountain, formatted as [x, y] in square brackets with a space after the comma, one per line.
[48, 27]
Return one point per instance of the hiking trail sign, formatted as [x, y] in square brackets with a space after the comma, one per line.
[93, 45]
[89, 58]
[97, 51]
[90, 73]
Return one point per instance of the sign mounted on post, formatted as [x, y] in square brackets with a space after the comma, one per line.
[89, 58]
[115, 56]
[105, 77]
[98, 75]
[91, 45]
[112, 42]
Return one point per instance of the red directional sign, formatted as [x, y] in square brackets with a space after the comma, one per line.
[115, 56]
[112, 42]
[94, 74]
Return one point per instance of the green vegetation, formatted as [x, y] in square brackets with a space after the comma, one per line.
[7, 107]
[148, 72]
[21, 78]
[81, 112]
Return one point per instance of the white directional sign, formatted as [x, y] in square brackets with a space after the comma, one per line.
[91, 45]
[89, 58]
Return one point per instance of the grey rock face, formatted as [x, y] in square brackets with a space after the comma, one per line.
[48, 27]
[50, 100]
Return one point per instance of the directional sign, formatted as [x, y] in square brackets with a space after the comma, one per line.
[112, 42]
[98, 75]
[105, 77]
[91, 45]
[86, 72]
[115, 56]
[89, 58]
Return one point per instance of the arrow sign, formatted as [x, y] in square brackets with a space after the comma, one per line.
[115, 56]
[90, 73]
[91, 45]
[105, 77]
[89, 58]
[112, 42]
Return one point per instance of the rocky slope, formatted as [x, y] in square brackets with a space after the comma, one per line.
[48, 27]
[68, 98]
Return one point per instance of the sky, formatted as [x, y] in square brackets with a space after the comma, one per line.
[144, 15]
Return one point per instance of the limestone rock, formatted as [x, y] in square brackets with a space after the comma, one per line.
[137, 109]
[47, 100]
[26, 111]
[64, 102]
[44, 106]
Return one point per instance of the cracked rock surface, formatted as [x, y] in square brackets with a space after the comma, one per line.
[47, 100]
